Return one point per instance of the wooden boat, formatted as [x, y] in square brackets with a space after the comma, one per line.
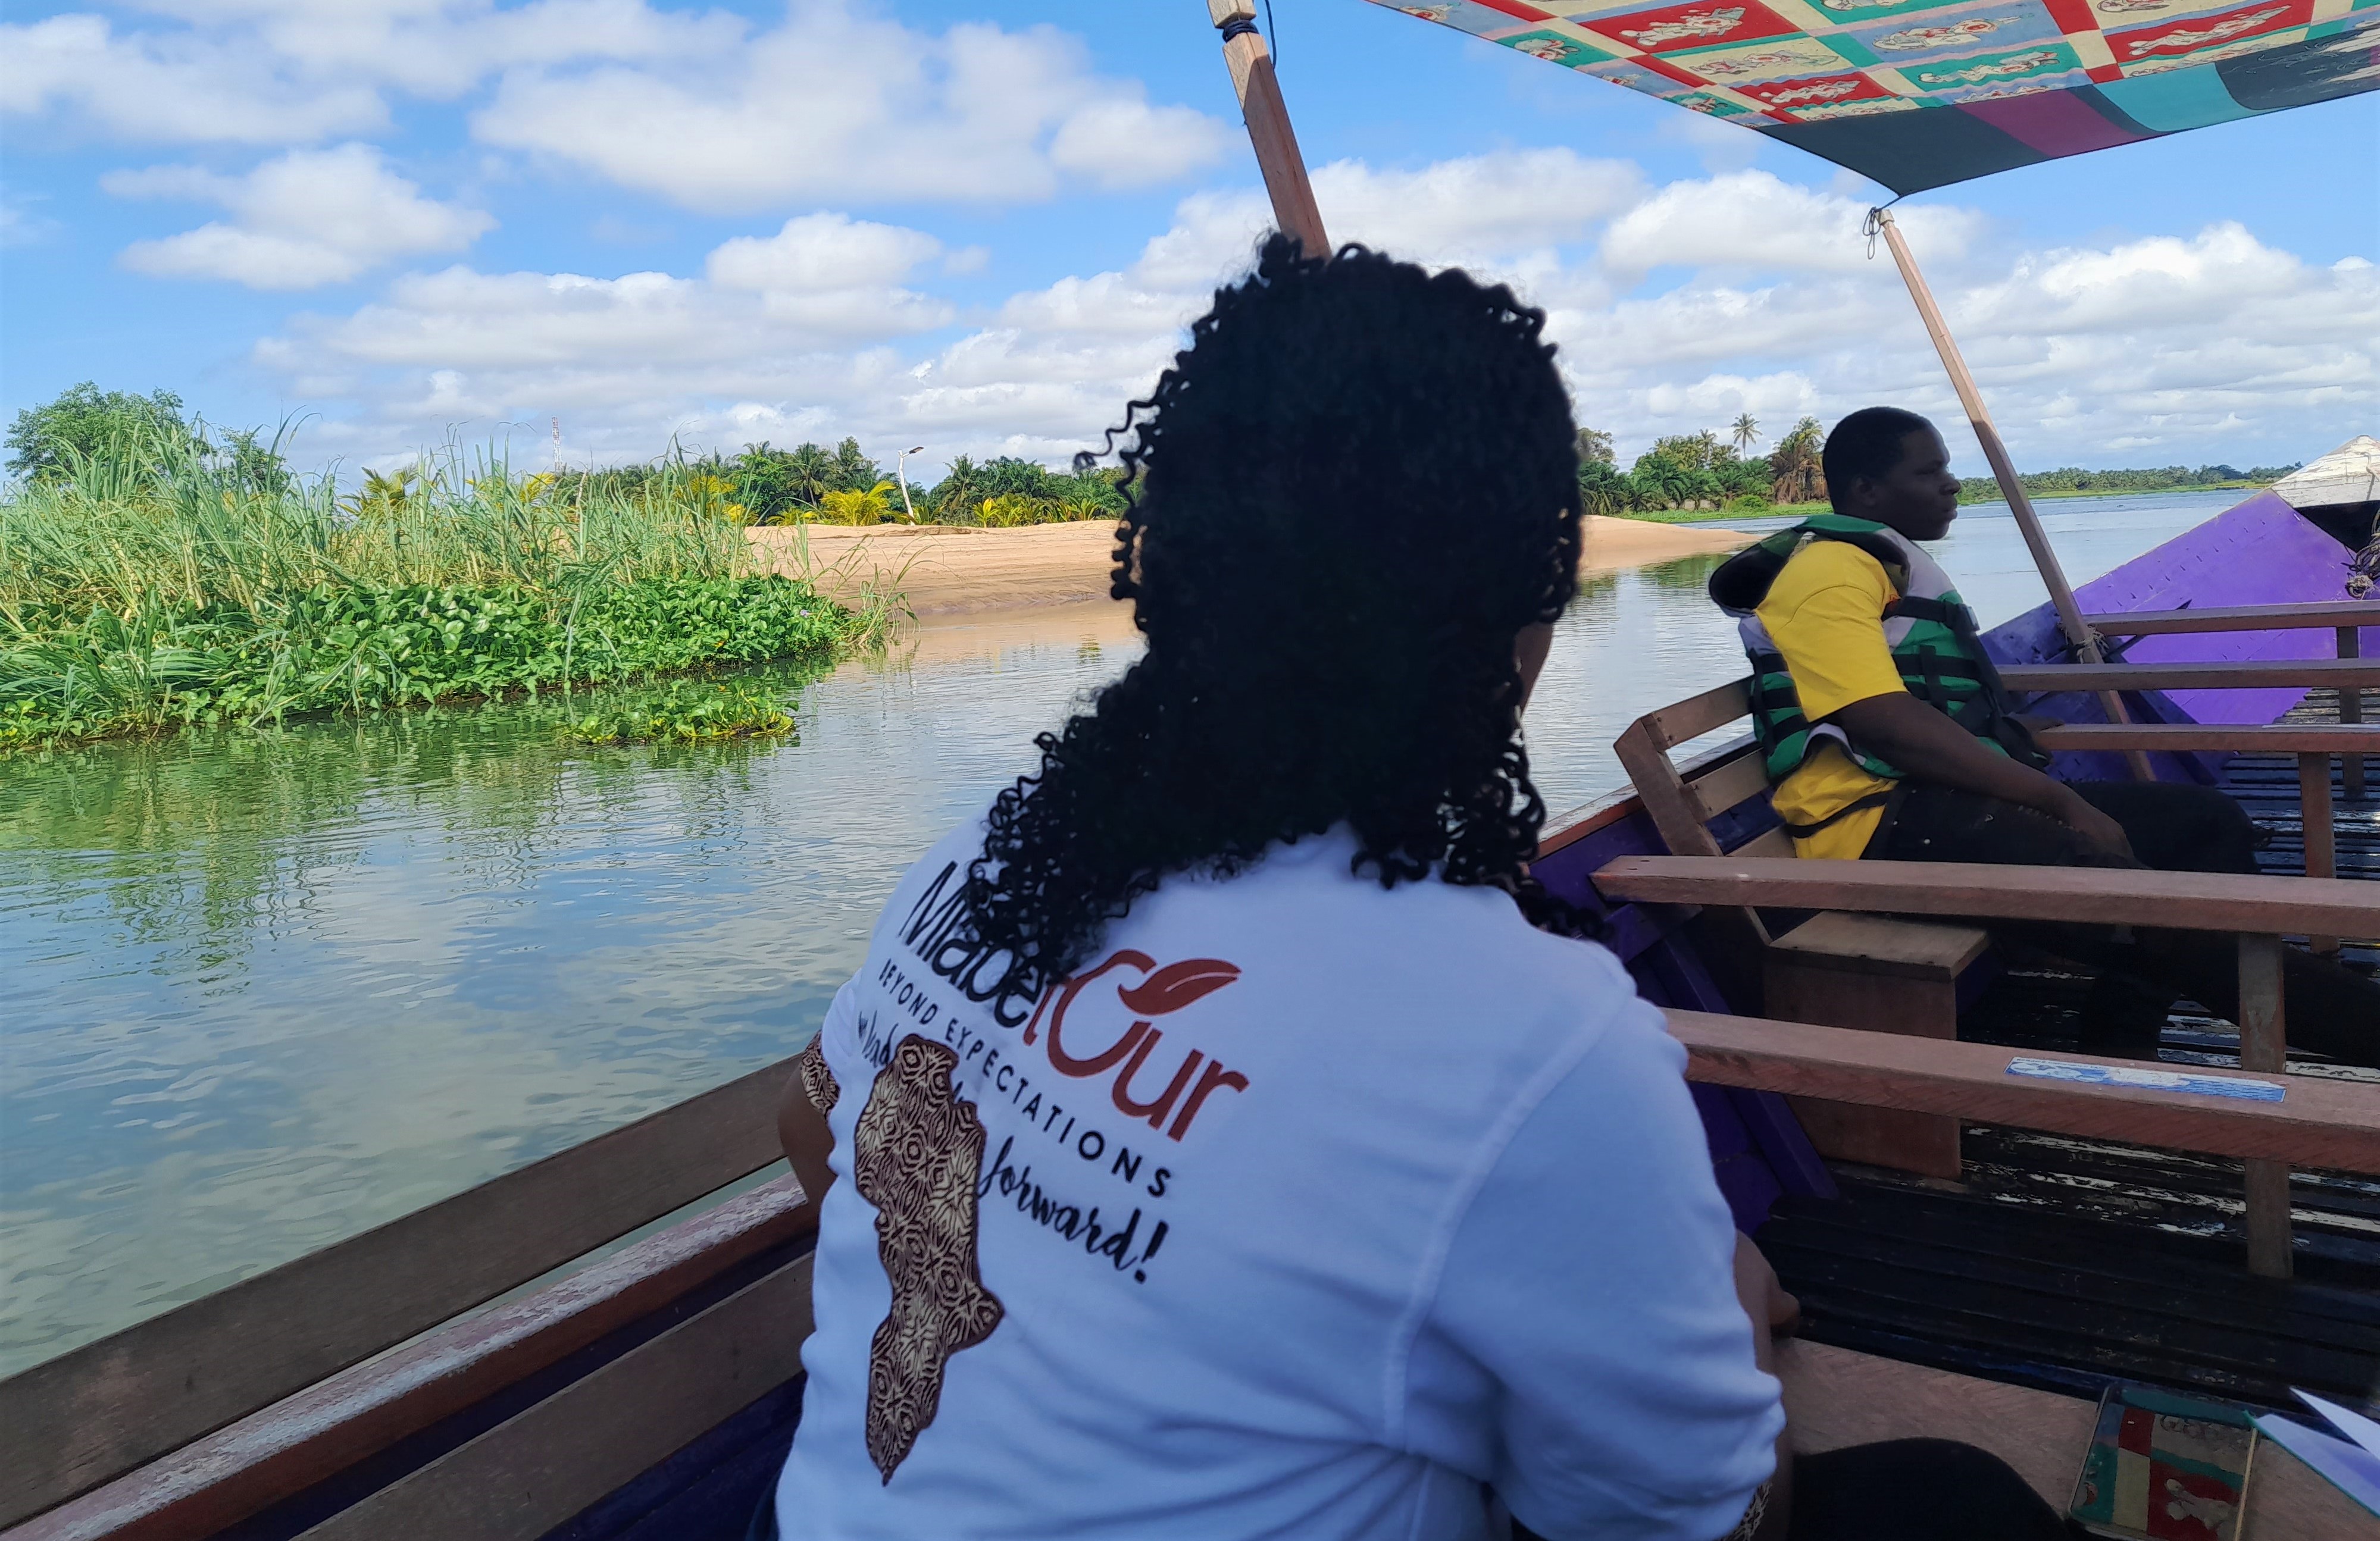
[605, 1345]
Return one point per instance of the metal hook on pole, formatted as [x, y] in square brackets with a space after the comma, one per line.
[2084, 641]
[1266, 116]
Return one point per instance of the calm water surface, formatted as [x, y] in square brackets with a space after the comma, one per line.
[265, 990]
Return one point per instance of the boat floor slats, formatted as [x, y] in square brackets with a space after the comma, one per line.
[2266, 786]
[1979, 1337]
[2052, 1300]
[2151, 1263]
[2204, 1293]
[2130, 1243]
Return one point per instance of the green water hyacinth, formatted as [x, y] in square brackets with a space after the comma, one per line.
[152, 589]
[688, 713]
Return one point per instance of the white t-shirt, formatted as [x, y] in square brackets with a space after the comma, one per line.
[1308, 1208]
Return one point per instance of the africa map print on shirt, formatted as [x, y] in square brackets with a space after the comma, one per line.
[963, 1064]
[919, 1150]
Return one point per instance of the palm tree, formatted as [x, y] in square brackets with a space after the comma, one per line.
[387, 494]
[1794, 465]
[873, 506]
[1747, 432]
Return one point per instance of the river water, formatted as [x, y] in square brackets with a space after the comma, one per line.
[267, 989]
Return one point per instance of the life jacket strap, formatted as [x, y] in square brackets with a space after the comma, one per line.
[1872, 800]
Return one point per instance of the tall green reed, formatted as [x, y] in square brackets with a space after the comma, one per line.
[161, 522]
[155, 585]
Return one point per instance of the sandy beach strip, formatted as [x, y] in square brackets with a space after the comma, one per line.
[954, 569]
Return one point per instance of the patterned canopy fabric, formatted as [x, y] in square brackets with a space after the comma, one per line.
[1919, 93]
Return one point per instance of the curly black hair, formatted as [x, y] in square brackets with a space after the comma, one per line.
[1347, 497]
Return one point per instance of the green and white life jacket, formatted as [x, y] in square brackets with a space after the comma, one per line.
[1929, 629]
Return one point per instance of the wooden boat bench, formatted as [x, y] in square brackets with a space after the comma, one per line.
[2348, 618]
[2258, 910]
[1891, 974]
[261, 1393]
[1883, 974]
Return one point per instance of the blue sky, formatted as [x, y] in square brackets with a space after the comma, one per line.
[980, 225]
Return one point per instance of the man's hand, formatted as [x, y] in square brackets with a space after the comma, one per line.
[2077, 814]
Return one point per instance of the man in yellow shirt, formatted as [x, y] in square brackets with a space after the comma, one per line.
[1888, 736]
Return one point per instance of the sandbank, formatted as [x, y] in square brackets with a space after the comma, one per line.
[956, 569]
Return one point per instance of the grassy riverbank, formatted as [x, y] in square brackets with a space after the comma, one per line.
[154, 589]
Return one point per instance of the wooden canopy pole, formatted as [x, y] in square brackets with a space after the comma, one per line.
[1266, 116]
[2061, 593]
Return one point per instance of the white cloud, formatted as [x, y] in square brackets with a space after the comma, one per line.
[442, 48]
[837, 105]
[174, 87]
[1753, 220]
[2205, 346]
[303, 219]
[833, 104]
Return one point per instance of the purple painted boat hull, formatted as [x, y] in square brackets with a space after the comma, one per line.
[2262, 551]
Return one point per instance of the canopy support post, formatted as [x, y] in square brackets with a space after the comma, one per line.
[2061, 593]
[1266, 116]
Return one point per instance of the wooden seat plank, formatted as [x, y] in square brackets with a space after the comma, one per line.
[1697, 715]
[2259, 675]
[281, 1451]
[2331, 1124]
[102, 1409]
[1734, 780]
[2179, 900]
[2315, 615]
[536, 1470]
[1879, 944]
[2272, 738]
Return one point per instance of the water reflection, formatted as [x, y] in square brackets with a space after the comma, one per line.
[268, 989]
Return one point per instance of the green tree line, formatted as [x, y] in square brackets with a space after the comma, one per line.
[1680, 475]
[1691, 473]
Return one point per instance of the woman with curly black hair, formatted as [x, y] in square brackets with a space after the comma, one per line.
[1210, 1146]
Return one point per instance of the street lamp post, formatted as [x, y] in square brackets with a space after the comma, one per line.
[901, 474]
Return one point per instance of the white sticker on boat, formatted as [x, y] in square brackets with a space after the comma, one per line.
[2152, 1080]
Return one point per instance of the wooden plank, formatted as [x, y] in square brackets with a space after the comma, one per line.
[1697, 715]
[1674, 812]
[537, 1470]
[1837, 1397]
[2350, 712]
[1734, 780]
[2272, 738]
[102, 1409]
[2247, 617]
[269, 1455]
[2259, 675]
[2317, 824]
[1876, 944]
[2180, 900]
[2330, 1124]
[2264, 1046]
[1794, 990]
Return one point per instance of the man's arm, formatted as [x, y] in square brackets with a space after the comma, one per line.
[1926, 745]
